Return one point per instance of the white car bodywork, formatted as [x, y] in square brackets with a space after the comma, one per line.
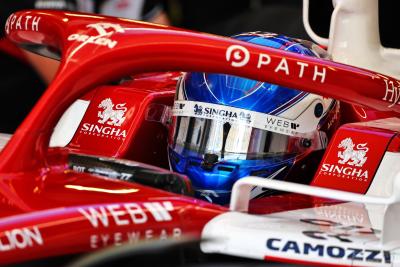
[336, 234]
[363, 232]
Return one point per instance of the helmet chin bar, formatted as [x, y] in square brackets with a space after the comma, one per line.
[90, 59]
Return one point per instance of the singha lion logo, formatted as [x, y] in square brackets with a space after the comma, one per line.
[109, 115]
[351, 156]
[198, 110]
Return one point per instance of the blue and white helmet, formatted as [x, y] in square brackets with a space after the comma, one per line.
[226, 127]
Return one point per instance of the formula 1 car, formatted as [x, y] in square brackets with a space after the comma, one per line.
[82, 187]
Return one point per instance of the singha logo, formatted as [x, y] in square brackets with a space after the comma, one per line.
[198, 110]
[109, 115]
[350, 156]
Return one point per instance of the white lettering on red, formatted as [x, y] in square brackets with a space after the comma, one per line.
[344, 171]
[20, 238]
[130, 213]
[159, 212]
[131, 237]
[103, 131]
[27, 18]
[95, 215]
[283, 65]
[35, 23]
[137, 214]
[18, 25]
[242, 57]
[92, 40]
[25, 23]
[302, 66]
[321, 74]
[117, 214]
[263, 60]
[393, 91]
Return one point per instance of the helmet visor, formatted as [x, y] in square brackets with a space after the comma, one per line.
[193, 136]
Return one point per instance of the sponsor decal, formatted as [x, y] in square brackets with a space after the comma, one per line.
[103, 38]
[133, 237]
[331, 242]
[344, 250]
[103, 172]
[178, 106]
[103, 131]
[108, 117]
[392, 92]
[342, 213]
[350, 161]
[333, 252]
[24, 22]
[337, 230]
[241, 116]
[222, 113]
[350, 155]
[127, 214]
[20, 238]
[239, 56]
[122, 215]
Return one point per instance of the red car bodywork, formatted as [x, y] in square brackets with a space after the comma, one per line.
[47, 209]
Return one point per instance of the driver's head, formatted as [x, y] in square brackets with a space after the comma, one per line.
[226, 127]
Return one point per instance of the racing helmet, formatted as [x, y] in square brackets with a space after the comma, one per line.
[225, 127]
